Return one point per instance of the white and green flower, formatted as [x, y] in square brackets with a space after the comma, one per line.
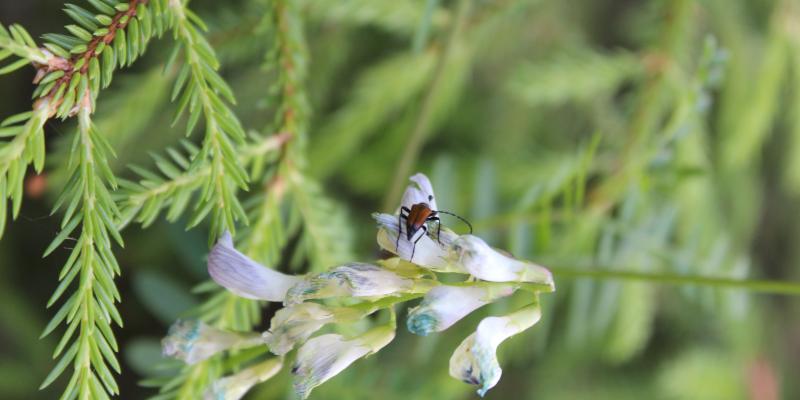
[296, 323]
[349, 280]
[235, 386]
[443, 306]
[323, 357]
[244, 277]
[428, 253]
[193, 341]
[418, 191]
[486, 263]
[475, 360]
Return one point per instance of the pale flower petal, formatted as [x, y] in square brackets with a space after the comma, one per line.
[193, 341]
[486, 263]
[245, 277]
[235, 386]
[428, 253]
[419, 190]
[296, 323]
[349, 280]
[323, 357]
[443, 306]
[475, 360]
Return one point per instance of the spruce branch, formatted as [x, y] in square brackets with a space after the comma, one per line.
[90, 310]
[223, 309]
[203, 92]
[97, 44]
[27, 147]
[326, 233]
[15, 40]
[68, 67]
[176, 182]
[71, 69]
[290, 57]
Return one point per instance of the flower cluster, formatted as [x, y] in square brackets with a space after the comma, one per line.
[348, 293]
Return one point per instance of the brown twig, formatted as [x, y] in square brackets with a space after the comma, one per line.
[120, 21]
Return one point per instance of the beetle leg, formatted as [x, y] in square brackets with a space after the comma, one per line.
[400, 226]
[438, 227]
[414, 248]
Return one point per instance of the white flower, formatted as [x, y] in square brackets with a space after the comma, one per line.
[349, 280]
[235, 386]
[245, 277]
[194, 341]
[428, 253]
[419, 191]
[475, 360]
[322, 357]
[296, 323]
[486, 263]
[443, 306]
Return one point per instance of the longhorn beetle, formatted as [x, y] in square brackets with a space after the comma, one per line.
[416, 217]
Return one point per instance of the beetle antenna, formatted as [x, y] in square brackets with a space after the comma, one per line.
[459, 217]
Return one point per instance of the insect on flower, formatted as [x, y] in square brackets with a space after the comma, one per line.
[418, 207]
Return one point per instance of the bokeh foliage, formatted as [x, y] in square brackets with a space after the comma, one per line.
[657, 136]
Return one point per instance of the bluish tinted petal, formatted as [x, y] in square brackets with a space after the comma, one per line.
[245, 277]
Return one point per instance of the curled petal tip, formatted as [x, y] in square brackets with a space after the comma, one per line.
[323, 357]
[475, 359]
[484, 262]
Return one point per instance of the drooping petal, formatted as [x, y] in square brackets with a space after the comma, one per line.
[443, 306]
[428, 253]
[486, 263]
[419, 190]
[351, 280]
[323, 357]
[475, 360]
[235, 386]
[295, 324]
[193, 341]
[245, 277]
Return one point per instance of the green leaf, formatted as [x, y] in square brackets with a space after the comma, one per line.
[14, 66]
[62, 236]
[60, 366]
[60, 315]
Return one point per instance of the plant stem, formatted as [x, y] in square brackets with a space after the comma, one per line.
[757, 286]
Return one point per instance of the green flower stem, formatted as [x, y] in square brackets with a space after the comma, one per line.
[756, 286]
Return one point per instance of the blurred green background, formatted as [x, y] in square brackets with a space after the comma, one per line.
[648, 136]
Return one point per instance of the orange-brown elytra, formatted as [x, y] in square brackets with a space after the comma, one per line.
[418, 215]
[416, 218]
